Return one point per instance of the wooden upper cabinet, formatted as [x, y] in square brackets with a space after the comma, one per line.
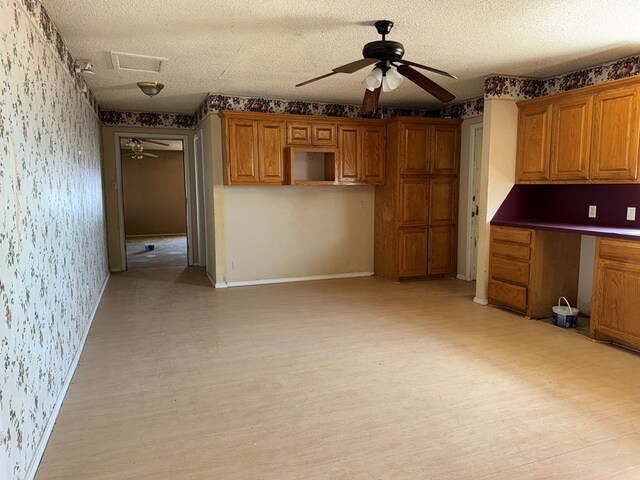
[571, 138]
[323, 134]
[271, 136]
[315, 134]
[298, 133]
[414, 193]
[413, 253]
[614, 152]
[443, 194]
[242, 142]
[446, 149]
[534, 142]
[373, 148]
[349, 147]
[442, 251]
[416, 148]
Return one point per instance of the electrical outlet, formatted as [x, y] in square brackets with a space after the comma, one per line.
[361, 204]
[631, 213]
[592, 211]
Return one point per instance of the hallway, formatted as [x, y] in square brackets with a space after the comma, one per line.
[354, 378]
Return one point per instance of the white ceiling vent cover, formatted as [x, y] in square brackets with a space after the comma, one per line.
[137, 63]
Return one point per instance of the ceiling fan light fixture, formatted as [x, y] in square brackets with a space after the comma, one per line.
[373, 80]
[150, 89]
[391, 80]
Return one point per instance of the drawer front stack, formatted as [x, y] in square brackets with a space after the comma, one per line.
[510, 267]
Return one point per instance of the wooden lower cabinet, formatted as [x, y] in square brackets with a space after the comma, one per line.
[529, 269]
[441, 243]
[615, 309]
[413, 253]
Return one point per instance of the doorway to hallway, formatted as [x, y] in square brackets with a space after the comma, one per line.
[154, 202]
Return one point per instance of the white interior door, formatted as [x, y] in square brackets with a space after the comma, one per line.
[475, 199]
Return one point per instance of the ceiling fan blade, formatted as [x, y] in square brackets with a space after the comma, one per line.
[145, 154]
[370, 101]
[315, 79]
[424, 67]
[127, 154]
[146, 140]
[426, 84]
[355, 66]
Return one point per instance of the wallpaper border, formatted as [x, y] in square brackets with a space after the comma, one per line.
[520, 88]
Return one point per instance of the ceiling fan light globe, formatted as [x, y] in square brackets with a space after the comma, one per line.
[392, 80]
[373, 80]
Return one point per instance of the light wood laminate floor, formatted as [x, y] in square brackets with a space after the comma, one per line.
[339, 379]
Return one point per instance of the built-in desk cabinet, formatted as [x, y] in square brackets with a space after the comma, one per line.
[615, 308]
[529, 269]
[590, 135]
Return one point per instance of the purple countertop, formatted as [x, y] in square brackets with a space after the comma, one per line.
[564, 208]
[626, 233]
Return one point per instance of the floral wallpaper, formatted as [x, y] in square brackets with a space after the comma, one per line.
[53, 259]
[523, 88]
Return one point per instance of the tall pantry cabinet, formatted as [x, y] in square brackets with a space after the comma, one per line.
[416, 209]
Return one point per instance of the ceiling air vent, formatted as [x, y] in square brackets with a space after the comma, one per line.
[137, 63]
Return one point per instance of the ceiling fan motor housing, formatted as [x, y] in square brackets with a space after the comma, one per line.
[383, 50]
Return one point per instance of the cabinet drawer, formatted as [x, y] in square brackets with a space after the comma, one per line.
[298, 133]
[514, 235]
[508, 295]
[511, 250]
[510, 270]
[622, 250]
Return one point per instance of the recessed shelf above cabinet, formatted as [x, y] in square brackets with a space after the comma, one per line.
[312, 166]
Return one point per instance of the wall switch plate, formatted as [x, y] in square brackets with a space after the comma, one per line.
[592, 211]
[631, 213]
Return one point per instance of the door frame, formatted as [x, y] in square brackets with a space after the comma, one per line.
[473, 129]
[187, 189]
[201, 206]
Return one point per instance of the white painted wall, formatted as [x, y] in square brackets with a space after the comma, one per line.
[585, 279]
[275, 232]
[500, 127]
[281, 232]
[464, 208]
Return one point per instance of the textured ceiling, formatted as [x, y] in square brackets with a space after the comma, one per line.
[264, 48]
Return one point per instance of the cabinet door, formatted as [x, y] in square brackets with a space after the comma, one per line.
[271, 152]
[416, 149]
[616, 292]
[614, 153]
[414, 193]
[350, 154]
[443, 194]
[571, 138]
[298, 133]
[446, 149]
[413, 252]
[373, 147]
[534, 143]
[243, 157]
[442, 251]
[323, 134]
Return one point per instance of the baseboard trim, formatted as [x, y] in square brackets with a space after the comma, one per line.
[480, 301]
[220, 285]
[44, 439]
[462, 277]
[269, 281]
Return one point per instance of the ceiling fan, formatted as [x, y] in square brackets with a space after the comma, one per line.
[390, 70]
[137, 149]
